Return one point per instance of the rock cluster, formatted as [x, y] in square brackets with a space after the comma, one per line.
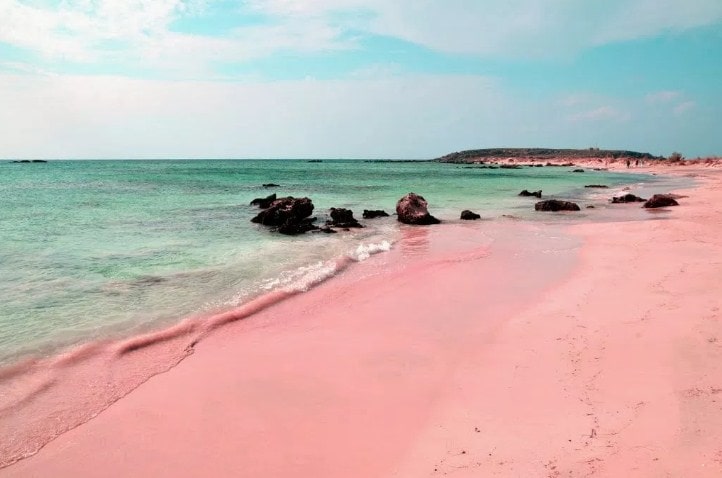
[536, 194]
[288, 215]
[467, 215]
[554, 205]
[264, 203]
[342, 218]
[661, 200]
[627, 198]
[413, 209]
[372, 214]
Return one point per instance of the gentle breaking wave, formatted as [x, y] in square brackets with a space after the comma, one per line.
[41, 398]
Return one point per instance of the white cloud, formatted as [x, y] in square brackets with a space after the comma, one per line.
[601, 113]
[388, 116]
[684, 107]
[101, 117]
[524, 28]
[139, 33]
[661, 97]
[128, 31]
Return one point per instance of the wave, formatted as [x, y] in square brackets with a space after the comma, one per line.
[42, 398]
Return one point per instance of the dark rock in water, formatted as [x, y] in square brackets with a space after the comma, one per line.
[536, 194]
[627, 198]
[467, 215]
[372, 214]
[538, 165]
[341, 217]
[271, 185]
[39, 161]
[291, 227]
[661, 200]
[598, 186]
[510, 166]
[591, 207]
[556, 205]
[286, 212]
[264, 203]
[578, 171]
[413, 209]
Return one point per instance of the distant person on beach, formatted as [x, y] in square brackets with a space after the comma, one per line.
[636, 164]
[628, 163]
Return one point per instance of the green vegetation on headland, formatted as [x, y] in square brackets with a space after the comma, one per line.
[473, 155]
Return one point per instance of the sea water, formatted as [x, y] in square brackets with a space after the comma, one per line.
[107, 249]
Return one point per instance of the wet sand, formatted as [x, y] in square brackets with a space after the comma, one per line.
[556, 350]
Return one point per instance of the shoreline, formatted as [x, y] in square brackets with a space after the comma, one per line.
[260, 326]
[422, 253]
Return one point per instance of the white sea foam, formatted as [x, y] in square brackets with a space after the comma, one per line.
[364, 251]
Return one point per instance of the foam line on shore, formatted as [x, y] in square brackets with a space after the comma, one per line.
[45, 397]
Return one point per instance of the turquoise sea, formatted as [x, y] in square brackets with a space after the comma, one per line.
[95, 249]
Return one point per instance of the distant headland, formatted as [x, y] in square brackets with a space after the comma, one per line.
[494, 154]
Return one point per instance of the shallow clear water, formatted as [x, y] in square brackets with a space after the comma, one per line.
[90, 249]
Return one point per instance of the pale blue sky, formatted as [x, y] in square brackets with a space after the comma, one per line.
[356, 78]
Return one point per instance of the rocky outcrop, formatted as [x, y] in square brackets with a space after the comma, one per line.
[264, 203]
[288, 215]
[536, 194]
[292, 228]
[413, 209]
[661, 200]
[372, 214]
[556, 205]
[597, 186]
[341, 217]
[541, 154]
[626, 198]
[467, 215]
[578, 171]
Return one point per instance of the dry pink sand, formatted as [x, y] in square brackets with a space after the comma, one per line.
[445, 358]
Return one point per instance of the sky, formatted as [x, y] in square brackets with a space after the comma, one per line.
[408, 79]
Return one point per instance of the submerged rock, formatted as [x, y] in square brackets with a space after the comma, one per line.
[661, 200]
[578, 171]
[626, 198]
[372, 214]
[341, 217]
[291, 228]
[271, 185]
[556, 205]
[264, 203]
[536, 194]
[467, 215]
[413, 209]
[597, 186]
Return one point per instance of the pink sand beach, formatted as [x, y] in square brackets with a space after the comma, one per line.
[561, 349]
